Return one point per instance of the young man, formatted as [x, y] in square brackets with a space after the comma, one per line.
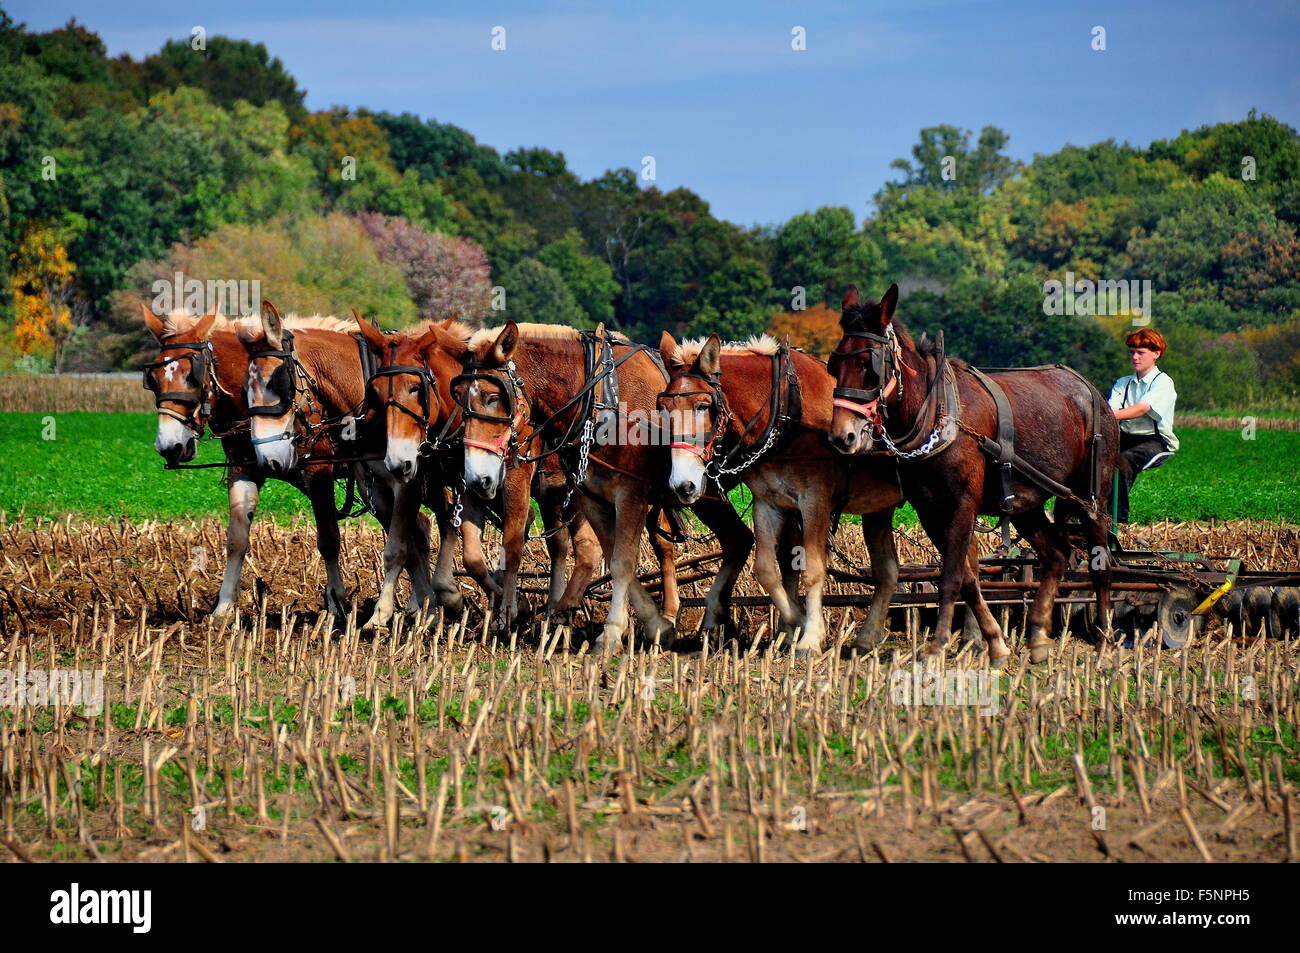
[1144, 406]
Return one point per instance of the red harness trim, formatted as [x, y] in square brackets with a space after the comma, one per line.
[872, 410]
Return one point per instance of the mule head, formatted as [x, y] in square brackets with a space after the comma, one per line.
[180, 379]
[860, 364]
[692, 411]
[271, 392]
[411, 388]
[488, 400]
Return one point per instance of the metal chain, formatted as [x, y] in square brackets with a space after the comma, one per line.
[716, 470]
[457, 504]
[584, 455]
[920, 451]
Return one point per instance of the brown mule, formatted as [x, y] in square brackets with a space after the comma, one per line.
[731, 403]
[422, 426]
[940, 418]
[201, 380]
[528, 382]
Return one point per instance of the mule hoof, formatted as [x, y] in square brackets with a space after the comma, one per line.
[1040, 653]
[997, 664]
[663, 635]
[866, 641]
[222, 612]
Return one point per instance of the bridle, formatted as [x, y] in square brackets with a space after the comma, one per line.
[202, 372]
[287, 384]
[779, 413]
[719, 412]
[515, 398]
[872, 403]
[427, 384]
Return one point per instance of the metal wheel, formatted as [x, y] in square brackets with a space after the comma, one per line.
[1174, 616]
[1259, 612]
[1232, 610]
[1286, 612]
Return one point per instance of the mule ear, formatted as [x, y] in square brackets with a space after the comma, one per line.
[446, 325]
[152, 321]
[851, 298]
[503, 348]
[374, 337]
[272, 324]
[888, 302]
[428, 339]
[710, 359]
[203, 329]
[668, 350]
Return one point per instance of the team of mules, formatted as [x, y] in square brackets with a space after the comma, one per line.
[613, 440]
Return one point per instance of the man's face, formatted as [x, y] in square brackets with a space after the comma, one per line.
[1142, 359]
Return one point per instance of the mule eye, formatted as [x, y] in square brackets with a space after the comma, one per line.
[491, 399]
[413, 390]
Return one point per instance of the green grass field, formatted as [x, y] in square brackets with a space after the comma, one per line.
[104, 465]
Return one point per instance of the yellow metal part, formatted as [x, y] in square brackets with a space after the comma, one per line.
[1214, 597]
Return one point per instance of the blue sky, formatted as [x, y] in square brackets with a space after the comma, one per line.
[716, 94]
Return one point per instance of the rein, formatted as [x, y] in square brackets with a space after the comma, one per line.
[779, 413]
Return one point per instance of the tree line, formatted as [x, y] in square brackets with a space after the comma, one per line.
[117, 173]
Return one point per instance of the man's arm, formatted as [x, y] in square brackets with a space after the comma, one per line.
[1137, 410]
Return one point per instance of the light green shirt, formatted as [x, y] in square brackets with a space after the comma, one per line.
[1157, 390]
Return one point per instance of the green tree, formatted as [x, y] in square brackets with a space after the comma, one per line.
[589, 279]
[537, 294]
[823, 253]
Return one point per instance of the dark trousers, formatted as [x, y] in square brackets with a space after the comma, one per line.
[1135, 451]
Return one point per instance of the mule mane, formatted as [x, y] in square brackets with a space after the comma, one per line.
[527, 332]
[454, 338]
[249, 327]
[764, 345]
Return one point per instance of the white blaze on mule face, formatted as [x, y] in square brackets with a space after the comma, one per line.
[402, 457]
[687, 477]
[172, 436]
[277, 453]
[484, 472]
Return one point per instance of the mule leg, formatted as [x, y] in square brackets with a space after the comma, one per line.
[443, 581]
[1053, 552]
[984, 618]
[816, 533]
[406, 510]
[320, 490]
[736, 541]
[244, 493]
[951, 534]
[878, 534]
[666, 550]
[769, 521]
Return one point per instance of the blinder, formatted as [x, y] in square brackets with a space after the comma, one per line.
[883, 365]
[460, 385]
[282, 383]
[718, 412]
[426, 383]
[200, 358]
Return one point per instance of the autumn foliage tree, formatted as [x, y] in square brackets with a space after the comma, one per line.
[815, 329]
[43, 284]
[445, 275]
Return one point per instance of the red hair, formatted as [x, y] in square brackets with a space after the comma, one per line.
[1148, 338]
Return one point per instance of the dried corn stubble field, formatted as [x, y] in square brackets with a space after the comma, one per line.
[275, 739]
